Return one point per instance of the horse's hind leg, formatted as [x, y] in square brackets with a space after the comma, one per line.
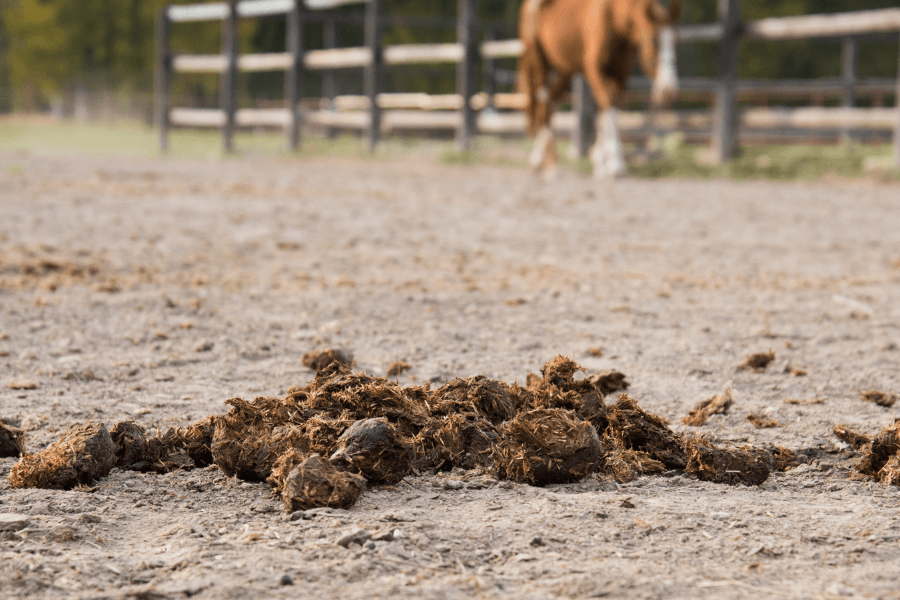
[544, 157]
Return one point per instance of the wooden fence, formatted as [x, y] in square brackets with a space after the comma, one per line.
[375, 111]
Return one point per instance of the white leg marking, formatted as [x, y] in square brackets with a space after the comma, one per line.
[614, 158]
[665, 85]
[539, 153]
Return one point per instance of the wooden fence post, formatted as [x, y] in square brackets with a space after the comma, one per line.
[467, 35]
[229, 77]
[294, 77]
[897, 122]
[849, 74]
[375, 70]
[163, 77]
[725, 122]
[490, 72]
[586, 123]
[329, 77]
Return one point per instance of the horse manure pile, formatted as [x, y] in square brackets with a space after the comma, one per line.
[885, 399]
[12, 441]
[747, 465]
[717, 405]
[881, 453]
[322, 444]
[758, 362]
[84, 453]
[322, 358]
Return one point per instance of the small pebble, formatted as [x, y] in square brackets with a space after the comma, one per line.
[371, 546]
[286, 580]
[453, 484]
[355, 536]
[12, 522]
[537, 541]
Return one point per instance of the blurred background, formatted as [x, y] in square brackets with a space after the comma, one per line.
[93, 59]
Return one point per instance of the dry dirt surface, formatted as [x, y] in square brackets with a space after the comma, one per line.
[154, 290]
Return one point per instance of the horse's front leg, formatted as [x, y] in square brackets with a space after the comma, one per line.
[608, 156]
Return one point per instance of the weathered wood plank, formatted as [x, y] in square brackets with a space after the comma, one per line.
[401, 54]
[228, 94]
[838, 24]
[163, 78]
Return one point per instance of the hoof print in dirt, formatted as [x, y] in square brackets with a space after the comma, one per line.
[747, 465]
[320, 359]
[545, 446]
[758, 362]
[313, 482]
[717, 405]
[83, 453]
[882, 460]
[370, 448]
[12, 441]
[635, 429]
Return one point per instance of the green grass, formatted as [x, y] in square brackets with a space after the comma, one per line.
[672, 157]
[792, 162]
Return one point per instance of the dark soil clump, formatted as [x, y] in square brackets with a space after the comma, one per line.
[372, 449]
[12, 441]
[547, 446]
[83, 453]
[747, 465]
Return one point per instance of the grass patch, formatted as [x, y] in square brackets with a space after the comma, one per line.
[795, 162]
[671, 157]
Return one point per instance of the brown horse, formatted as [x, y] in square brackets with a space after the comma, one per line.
[601, 39]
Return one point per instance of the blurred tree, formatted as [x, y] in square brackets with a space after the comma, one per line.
[46, 46]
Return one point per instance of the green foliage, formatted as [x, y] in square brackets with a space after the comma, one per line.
[47, 45]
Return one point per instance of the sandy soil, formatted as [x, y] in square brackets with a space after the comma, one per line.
[155, 290]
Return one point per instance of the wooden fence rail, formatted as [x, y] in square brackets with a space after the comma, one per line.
[376, 112]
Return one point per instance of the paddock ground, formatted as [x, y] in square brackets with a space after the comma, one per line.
[155, 289]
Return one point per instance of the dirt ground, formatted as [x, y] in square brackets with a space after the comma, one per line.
[157, 289]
